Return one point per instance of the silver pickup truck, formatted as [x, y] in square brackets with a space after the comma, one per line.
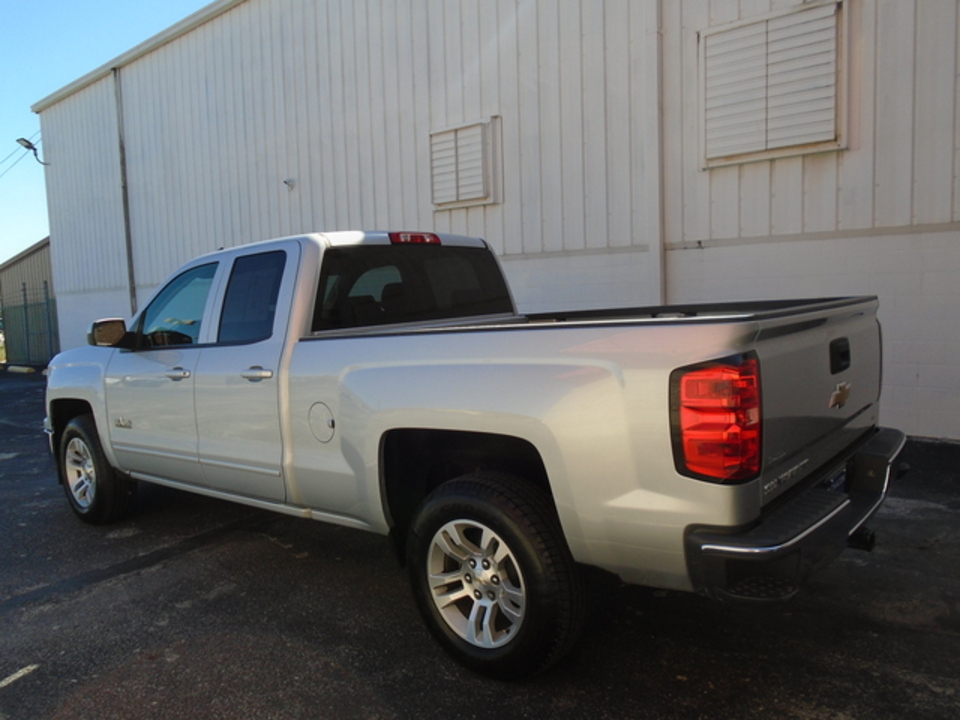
[384, 381]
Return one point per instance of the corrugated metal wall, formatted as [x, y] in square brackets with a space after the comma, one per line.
[595, 107]
[899, 170]
[30, 268]
[881, 217]
[340, 98]
[83, 191]
[29, 307]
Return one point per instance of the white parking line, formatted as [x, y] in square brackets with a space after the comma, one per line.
[17, 676]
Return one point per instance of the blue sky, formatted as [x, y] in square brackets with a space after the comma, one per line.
[48, 44]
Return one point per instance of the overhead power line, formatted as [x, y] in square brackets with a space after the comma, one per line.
[18, 150]
[14, 164]
[26, 152]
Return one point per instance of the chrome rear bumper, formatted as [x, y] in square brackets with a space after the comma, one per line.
[769, 560]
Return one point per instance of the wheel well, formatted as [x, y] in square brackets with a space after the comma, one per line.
[414, 462]
[61, 413]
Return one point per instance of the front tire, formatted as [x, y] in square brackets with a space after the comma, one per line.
[493, 577]
[96, 492]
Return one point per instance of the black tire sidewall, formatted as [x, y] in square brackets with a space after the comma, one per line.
[83, 428]
[532, 647]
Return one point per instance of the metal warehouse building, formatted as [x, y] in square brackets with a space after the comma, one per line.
[613, 152]
[29, 307]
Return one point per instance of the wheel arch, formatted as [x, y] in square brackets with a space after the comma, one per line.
[62, 411]
[415, 461]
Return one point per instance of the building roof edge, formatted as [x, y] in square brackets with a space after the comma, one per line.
[173, 32]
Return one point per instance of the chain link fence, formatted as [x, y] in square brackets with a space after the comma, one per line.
[30, 327]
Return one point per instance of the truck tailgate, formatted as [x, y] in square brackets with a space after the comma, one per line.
[820, 383]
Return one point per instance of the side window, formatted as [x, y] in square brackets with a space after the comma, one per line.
[174, 316]
[250, 303]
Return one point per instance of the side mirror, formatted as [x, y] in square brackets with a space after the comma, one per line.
[107, 333]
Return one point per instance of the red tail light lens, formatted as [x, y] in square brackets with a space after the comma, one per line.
[410, 238]
[715, 409]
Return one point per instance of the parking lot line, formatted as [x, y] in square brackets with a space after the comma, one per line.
[18, 675]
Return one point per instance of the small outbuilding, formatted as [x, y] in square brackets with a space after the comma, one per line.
[29, 307]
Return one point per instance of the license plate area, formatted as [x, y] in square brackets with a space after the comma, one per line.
[836, 482]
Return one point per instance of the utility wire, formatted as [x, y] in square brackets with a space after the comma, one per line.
[18, 150]
[14, 164]
[10, 156]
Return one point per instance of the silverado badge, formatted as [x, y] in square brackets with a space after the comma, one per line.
[840, 395]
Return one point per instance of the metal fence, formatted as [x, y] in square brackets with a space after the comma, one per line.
[30, 327]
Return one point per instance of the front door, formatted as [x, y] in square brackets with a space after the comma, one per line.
[149, 390]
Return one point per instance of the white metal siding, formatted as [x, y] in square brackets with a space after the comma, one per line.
[83, 192]
[902, 159]
[340, 99]
[881, 217]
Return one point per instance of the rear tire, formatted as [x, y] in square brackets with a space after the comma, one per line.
[493, 577]
[96, 492]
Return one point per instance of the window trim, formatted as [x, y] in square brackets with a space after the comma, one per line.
[840, 142]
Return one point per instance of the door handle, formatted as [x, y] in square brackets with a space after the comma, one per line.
[177, 373]
[256, 373]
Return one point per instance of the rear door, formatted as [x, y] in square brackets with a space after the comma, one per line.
[238, 378]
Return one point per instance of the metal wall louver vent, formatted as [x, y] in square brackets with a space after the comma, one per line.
[458, 161]
[771, 84]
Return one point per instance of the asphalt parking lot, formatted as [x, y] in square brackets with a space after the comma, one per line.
[202, 609]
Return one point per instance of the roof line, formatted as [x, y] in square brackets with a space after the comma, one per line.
[181, 28]
[32, 250]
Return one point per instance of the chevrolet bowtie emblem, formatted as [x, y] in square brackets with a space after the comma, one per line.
[840, 395]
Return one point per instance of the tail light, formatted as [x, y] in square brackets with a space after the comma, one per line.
[716, 423]
[414, 238]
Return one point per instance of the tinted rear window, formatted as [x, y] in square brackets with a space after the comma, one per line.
[382, 284]
[251, 300]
